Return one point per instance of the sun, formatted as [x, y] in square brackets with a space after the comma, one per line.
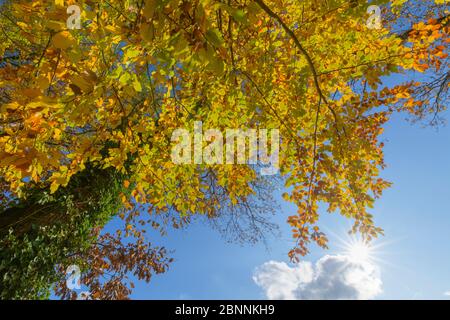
[359, 251]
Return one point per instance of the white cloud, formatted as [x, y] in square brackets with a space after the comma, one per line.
[332, 277]
[447, 293]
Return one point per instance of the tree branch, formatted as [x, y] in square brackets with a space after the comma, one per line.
[297, 43]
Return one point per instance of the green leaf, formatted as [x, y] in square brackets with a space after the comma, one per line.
[124, 78]
[239, 16]
[214, 37]
[137, 85]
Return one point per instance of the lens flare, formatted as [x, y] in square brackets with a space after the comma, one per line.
[359, 251]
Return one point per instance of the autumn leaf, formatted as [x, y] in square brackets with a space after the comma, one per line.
[63, 40]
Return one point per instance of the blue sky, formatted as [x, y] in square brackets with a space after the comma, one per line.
[415, 253]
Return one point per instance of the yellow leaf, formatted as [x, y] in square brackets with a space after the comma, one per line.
[149, 8]
[54, 187]
[57, 134]
[63, 40]
[55, 25]
[82, 83]
[137, 85]
[42, 82]
[147, 32]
